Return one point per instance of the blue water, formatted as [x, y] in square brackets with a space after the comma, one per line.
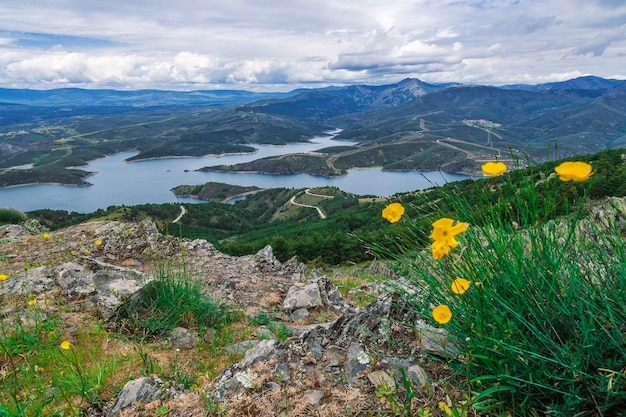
[117, 182]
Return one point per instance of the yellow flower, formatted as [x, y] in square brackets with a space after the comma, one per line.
[393, 212]
[32, 302]
[98, 242]
[494, 169]
[444, 231]
[66, 345]
[440, 250]
[574, 171]
[442, 314]
[46, 236]
[87, 251]
[460, 285]
[3, 277]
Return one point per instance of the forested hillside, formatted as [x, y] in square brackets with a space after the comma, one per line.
[352, 222]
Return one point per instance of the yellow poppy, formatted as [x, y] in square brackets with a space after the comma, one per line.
[574, 171]
[440, 250]
[32, 302]
[494, 169]
[66, 345]
[442, 314]
[3, 277]
[98, 242]
[393, 212]
[460, 285]
[444, 231]
[46, 236]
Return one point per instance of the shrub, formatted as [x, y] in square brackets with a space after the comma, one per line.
[11, 216]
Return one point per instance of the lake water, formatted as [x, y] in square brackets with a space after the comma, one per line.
[117, 182]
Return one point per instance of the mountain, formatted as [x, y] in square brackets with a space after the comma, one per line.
[407, 125]
[137, 98]
[320, 105]
[580, 83]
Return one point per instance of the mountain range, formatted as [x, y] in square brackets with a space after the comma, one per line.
[402, 126]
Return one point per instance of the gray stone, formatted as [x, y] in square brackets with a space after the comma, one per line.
[282, 372]
[315, 345]
[434, 341]
[413, 372]
[115, 287]
[313, 396]
[32, 281]
[331, 296]
[300, 315]
[266, 260]
[356, 363]
[307, 296]
[183, 338]
[261, 352]
[241, 348]
[75, 280]
[141, 390]
[12, 232]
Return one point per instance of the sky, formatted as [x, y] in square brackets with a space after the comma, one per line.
[281, 45]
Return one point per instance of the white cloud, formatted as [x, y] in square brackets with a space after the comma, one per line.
[247, 44]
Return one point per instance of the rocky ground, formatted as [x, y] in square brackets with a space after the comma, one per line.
[333, 363]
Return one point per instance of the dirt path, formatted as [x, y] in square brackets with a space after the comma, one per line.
[319, 210]
[182, 213]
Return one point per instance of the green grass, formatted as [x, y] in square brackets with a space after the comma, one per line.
[11, 216]
[541, 328]
[44, 376]
[172, 300]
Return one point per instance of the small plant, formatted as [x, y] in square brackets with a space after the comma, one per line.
[171, 301]
[261, 319]
[213, 408]
[280, 330]
[11, 216]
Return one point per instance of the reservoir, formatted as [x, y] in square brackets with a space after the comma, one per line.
[117, 182]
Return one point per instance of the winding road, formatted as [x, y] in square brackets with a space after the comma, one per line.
[307, 191]
[182, 213]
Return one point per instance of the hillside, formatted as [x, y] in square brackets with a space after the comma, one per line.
[269, 217]
[112, 318]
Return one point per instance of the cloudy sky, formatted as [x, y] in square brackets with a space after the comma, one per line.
[279, 45]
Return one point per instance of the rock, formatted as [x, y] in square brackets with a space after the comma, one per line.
[308, 296]
[282, 372]
[183, 338]
[331, 296]
[413, 372]
[266, 260]
[261, 352]
[300, 315]
[313, 396]
[32, 281]
[434, 341]
[356, 363]
[115, 287]
[381, 379]
[141, 390]
[12, 232]
[241, 347]
[75, 280]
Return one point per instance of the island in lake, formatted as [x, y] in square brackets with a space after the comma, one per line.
[213, 191]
